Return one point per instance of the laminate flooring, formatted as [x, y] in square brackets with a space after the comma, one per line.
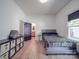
[34, 50]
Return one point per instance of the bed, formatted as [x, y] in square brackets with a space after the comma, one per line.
[54, 44]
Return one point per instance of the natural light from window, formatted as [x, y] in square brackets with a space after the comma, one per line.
[73, 29]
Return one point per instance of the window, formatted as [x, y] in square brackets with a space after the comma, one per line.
[73, 29]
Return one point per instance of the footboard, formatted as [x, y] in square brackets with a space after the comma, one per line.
[68, 44]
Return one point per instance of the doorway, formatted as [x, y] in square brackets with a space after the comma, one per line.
[27, 31]
[33, 29]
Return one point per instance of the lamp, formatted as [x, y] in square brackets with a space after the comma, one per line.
[43, 1]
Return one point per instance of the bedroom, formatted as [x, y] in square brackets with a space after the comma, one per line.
[51, 15]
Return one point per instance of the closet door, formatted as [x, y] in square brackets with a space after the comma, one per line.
[27, 31]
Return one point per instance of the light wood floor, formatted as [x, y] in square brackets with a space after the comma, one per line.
[34, 50]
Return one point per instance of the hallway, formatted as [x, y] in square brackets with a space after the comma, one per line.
[34, 50]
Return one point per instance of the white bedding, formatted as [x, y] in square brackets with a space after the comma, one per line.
[53, 38]
[56, 41]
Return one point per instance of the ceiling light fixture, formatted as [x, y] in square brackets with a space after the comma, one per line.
[43, 1]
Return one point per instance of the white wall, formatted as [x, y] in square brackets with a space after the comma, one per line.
[10, 14]
[62, 17]
[43, 22]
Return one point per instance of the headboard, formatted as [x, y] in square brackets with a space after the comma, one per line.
[49, 32]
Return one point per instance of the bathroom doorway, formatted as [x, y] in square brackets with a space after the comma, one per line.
[33, 29]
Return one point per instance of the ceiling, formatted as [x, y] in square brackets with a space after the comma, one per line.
[34, 7]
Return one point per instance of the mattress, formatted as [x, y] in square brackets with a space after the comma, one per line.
[56, 41]
[56, 38]
[53, 38]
